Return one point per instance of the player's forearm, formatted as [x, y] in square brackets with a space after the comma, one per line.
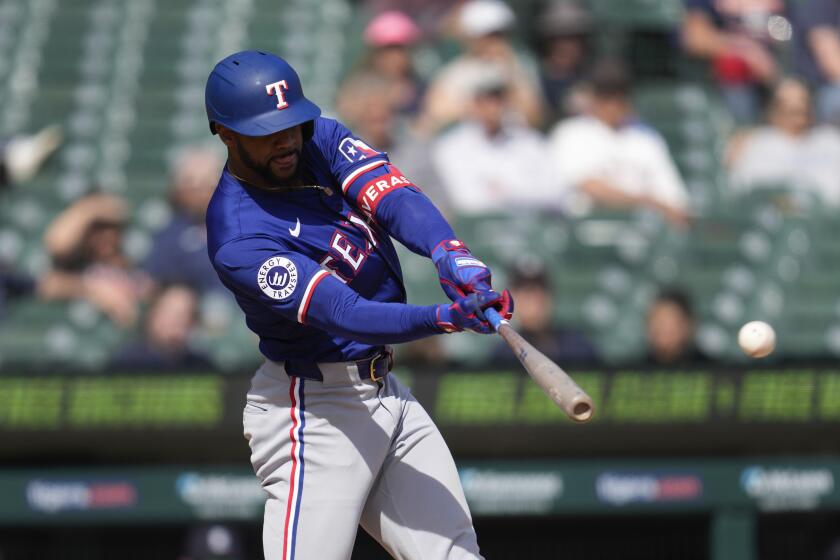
[372, 322]
[410, 217]
[400, 208]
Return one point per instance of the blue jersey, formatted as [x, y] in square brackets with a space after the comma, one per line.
[314, 268]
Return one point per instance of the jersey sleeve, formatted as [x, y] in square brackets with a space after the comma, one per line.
[387, 196]
[347, 155]
[296, 288]
[380, 190]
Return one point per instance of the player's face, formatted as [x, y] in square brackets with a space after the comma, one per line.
[273, 158]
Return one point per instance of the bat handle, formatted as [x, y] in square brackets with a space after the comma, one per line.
[493, 318]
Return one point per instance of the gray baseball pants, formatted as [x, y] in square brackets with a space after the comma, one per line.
[347, 451]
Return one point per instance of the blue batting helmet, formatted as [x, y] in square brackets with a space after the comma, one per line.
[256, 94]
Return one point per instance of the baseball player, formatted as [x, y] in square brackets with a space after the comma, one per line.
[299, 229]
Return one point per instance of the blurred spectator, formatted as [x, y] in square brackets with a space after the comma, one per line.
[564, 35]
[534, 307]
[670, 331]
[22, 155]
[817, 52]
[736, 37]
[179, 250]
[607, 157]
[789, 149]
[485, 26]
[171, 318]
[372, 115]
[85, 243]
[389, 39]
[213, 542]
[490, 162]
[430, 15]
[15, 285]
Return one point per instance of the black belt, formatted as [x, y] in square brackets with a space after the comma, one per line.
[374, 368]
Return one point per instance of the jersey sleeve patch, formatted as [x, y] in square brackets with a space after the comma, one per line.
[354, 150]
[372, 193]
[277, 277]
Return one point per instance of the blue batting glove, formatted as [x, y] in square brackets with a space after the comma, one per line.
[459, 271]
[462, 315]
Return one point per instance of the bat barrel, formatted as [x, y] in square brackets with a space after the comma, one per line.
[567, 395]
[581, 408]
[555, 382]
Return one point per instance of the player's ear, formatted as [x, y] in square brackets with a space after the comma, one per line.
[225, 134]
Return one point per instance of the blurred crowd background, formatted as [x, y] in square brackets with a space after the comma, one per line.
[647, 175]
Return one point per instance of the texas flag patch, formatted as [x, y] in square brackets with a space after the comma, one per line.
[355, 150]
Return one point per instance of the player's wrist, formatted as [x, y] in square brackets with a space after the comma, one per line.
[444, 321]
[448, 248]
[465, 313]
[459, 271]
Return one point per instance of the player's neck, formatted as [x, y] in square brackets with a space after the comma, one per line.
[246, 175]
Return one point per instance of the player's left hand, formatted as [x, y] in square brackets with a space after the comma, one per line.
[459, 271]
[504, 305]
[465, 314]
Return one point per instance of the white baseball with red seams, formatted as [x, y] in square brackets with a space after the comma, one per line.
[757, 339]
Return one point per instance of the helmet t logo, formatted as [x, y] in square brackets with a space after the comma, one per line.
[277, 89]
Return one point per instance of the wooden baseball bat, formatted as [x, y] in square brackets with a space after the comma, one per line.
[554, 382]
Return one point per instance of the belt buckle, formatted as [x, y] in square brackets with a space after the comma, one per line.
[372, 372]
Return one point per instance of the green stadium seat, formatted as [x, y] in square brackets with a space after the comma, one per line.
[664, 14]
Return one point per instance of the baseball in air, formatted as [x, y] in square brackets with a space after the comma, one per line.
[757, 339]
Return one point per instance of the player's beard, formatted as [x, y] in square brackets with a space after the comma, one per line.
[264, 171]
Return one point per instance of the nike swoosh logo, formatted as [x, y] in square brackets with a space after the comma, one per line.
[295, 231]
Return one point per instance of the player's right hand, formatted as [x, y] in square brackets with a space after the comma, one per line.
[462, 316]
[459, 271]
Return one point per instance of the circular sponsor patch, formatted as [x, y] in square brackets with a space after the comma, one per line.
[277, 277]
